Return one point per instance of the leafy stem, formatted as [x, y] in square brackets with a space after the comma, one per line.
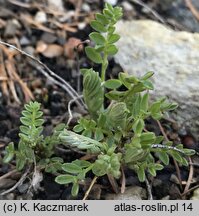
[104, 67]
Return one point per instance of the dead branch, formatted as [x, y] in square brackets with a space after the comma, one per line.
[193, 10]
[50, 74]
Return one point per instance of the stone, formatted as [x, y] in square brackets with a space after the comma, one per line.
[86, 7]
[112, 2]
[48, 38]
[178, 11]
[173, 56]
[24, 41]
[56, 5]
[11, 28]
[195, 195]
[41, 17]
[131, 193]
[127, 6]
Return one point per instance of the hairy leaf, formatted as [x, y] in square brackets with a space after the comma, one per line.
[93, 91]
[93, 55]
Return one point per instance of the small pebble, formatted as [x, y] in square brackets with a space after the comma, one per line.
[86, 7]
[112, 2]
[127, 6]
[81, 25]
[24, 41]
[174, 179]
[23, 188]
[41, 17]
[30, 50]
[11, 28]
[48, 38]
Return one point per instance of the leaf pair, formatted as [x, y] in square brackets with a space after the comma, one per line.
[77, 170]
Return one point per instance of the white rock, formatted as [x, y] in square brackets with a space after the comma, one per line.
[127, 6]
[112, 2]
[173, 56]
[56, 5]
[86, 7]
[131, 193]
[41, 17]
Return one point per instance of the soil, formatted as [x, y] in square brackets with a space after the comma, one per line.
[25, 34]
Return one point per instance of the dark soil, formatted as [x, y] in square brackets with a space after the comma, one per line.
[54, 100]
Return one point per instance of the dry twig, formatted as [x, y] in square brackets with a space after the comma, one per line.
[8, 174]
[123, 180]
[141, 3]
[193, 10]
[50, 74]
[21, 180]
[191, 171]
[69, 108]
[90, 187]
[148, 186]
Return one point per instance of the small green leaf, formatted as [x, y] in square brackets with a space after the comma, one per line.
[159, 139]
[117, 114]
[107, 14]
[163, 156]
[184, 162]
[138, 126]
[99, 168]
[93, 55]
[147, 84]
[38, 122]
[172, 106]
[122, 77]
[97, 38]
[57, 159]
[97, 26]
[60, 127]
[101, 18]
[115, 95]
[132, 79]
[109, 7]
[132, 154]
[152, 170]
[111, 49]
[82, 163]
[176, 156]
[26, 113]
[75, 189]
[144, 102]
[71, 168]
[78, 128]
[10, 151]
[147, 75]
[113, 38]
[87, 133]
[158, 166]
[112, 83]
[155, 108]
[101, 120]
[65, 179]
[141, 174]
[147, 138]
[20, 161]
[189, 152]
[98, 134]
[111, 29]
[25, 121]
